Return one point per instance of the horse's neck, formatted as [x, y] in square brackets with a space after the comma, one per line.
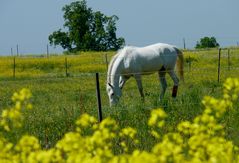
[115, 72]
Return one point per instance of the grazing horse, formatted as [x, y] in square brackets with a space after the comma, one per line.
[137, 61]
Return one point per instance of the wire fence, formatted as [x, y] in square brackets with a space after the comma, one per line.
[73, 65]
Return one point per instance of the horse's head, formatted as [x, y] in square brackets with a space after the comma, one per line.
[114, 94]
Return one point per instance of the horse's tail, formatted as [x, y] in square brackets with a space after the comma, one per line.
[180, 62]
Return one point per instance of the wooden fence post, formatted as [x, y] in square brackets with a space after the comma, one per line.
[228, 59]
[219, 65]
[47, 51]
[17, 51]
[106, 61]
[14, 67]
[98, 97]
[11, 52]
[66, 66]
[184, 44]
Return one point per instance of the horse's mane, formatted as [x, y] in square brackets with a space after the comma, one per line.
[124, 51]
[110, 66]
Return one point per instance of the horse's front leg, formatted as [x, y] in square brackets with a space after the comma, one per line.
[163, 82]
[122, 81]
[139, 84]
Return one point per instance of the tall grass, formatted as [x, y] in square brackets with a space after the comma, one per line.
[59, 100]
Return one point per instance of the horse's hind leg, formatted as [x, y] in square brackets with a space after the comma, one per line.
[176, 81]
[139, 84]
[163, 82]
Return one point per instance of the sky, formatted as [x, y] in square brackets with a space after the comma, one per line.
[28, 23]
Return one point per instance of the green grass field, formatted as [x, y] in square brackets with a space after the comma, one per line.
[59, 100]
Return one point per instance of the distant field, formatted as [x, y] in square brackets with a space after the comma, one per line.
[58, 100]
[33, 66]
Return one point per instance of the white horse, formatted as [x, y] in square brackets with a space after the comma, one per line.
[137, 61]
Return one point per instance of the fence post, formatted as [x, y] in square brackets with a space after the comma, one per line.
[17, 51]
[106, 61]
[228, 59]
[11, 52]
[66, 66]
[184, 44]
[98, 97]
[47, 51]
[219, 65]
[14, 67]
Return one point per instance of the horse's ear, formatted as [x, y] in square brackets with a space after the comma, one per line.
[111, 85]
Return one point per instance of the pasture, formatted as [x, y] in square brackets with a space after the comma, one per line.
[59, 98]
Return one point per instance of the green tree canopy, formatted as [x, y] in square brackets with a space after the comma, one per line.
[207, 42]
[86, 30]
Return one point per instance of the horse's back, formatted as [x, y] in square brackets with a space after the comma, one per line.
[159, 49]
[154, 57]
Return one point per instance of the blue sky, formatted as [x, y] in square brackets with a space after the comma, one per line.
[28, 23]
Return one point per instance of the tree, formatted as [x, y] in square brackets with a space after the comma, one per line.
[207, 42]
[60, 38]
[86, 30]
